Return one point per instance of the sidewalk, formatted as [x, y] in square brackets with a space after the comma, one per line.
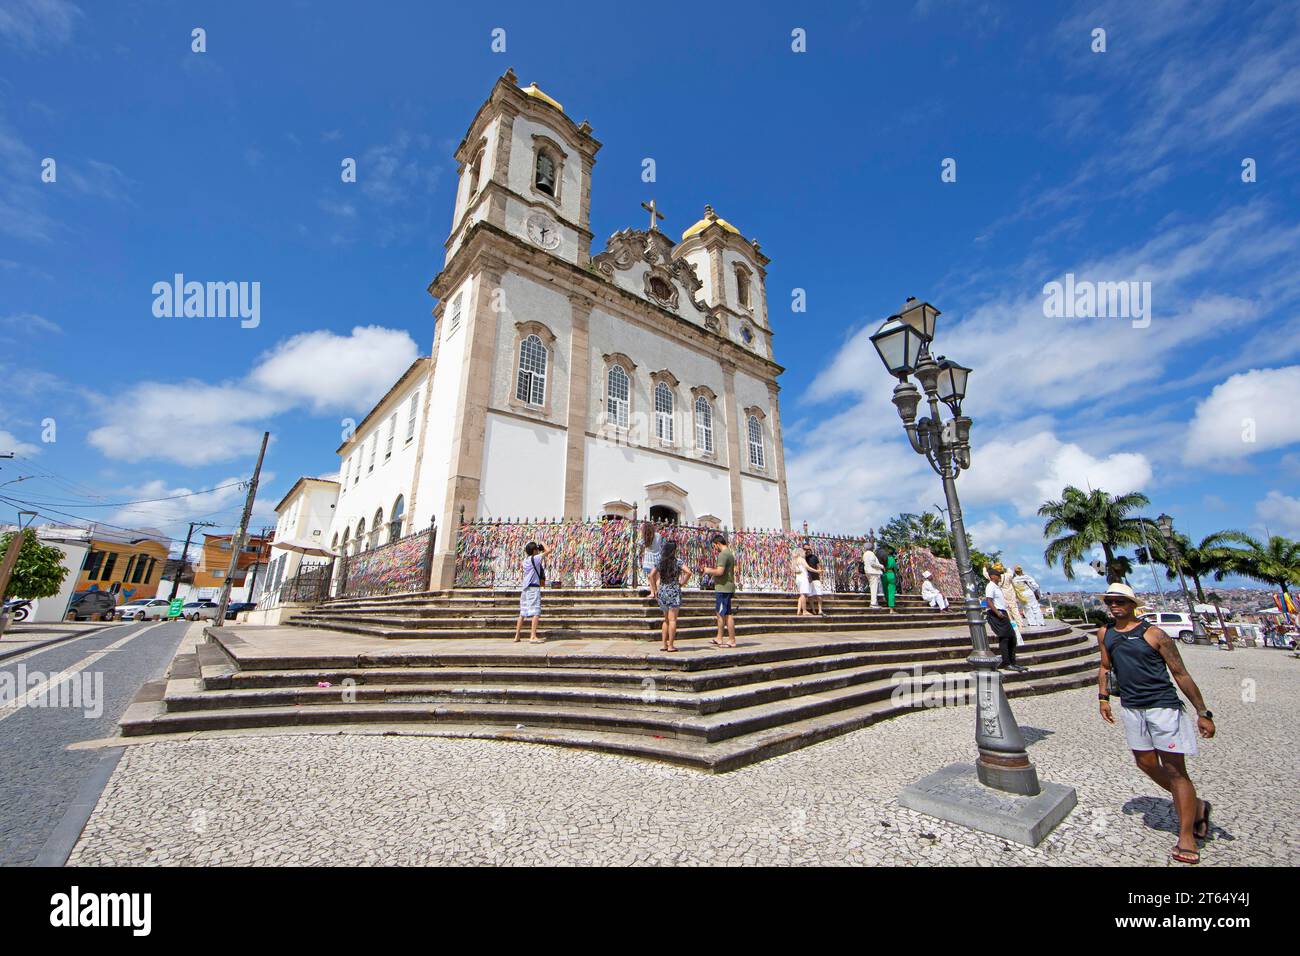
[20, 638]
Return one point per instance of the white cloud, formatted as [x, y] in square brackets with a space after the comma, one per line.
[1028, 471]
[1279, 514]
[1248, 413]
[36, 24]
[198, 423]
[10, 443]
[192, 423]
[331, 372]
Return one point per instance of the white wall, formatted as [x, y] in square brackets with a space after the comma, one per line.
[431, 497]
[617, 472]
[51, 609]
[370, 490]
[523, 469]
[762, 501]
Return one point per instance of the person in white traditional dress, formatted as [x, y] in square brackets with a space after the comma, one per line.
[873, 569]
[1027, 595]
[933, 596]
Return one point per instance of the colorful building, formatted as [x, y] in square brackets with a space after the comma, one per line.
[129, 567]
[214, 559]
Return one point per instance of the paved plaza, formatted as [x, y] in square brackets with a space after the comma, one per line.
[277, 798]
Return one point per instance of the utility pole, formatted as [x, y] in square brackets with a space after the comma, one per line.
[238, 543]
[176, 582]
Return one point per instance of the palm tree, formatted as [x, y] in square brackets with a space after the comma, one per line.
[1210, 557]
[1276, 561]
[1082, 519]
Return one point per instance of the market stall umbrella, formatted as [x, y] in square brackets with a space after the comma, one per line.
[308, 548]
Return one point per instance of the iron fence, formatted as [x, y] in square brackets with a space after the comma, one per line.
[398, 566]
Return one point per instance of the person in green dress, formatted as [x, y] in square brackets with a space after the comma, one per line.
[891, 580]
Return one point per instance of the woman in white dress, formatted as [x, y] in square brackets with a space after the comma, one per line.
[932, 595]
[1027, 595]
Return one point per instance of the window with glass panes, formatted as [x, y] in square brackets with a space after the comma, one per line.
[663, 412]
[531, 387]
[618, 388]
[703, 424]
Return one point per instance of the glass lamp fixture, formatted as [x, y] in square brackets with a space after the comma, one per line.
[952, 383]
[899, 346]
[920, 316]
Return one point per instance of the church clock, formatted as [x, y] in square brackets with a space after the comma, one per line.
[543, 230]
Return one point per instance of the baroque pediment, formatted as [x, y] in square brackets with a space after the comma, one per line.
[665, 273]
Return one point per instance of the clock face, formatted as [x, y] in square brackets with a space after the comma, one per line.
[543, 230]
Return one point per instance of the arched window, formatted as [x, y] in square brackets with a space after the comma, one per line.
[703, 424]
[334, 544]
[395, 519]
[544, 173]
[346, 534]
[531, 386]
[377, 529]
[475, 170]
[663, 412]
[617, 390]
[755, 442]
[361, 536]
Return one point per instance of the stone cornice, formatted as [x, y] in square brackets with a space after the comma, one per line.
[487, 189]
[484, 236]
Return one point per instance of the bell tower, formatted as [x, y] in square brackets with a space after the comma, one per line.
[525, 167]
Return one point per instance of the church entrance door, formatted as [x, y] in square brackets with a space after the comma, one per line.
[662, 514]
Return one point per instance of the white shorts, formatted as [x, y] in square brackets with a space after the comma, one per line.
[1166, 729]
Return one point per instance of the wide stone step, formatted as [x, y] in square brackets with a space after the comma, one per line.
[398, 632]
[639, 619]
[752, 733]
[647, 695]
[221, 676]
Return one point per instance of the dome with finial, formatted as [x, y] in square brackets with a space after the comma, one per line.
[710, 217]
[532, 90]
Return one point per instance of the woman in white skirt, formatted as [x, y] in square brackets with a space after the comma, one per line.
[1027, 595]
[530, 592]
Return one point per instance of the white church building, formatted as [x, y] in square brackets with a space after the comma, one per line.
[562, 384]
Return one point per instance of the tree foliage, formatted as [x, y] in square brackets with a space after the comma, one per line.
[1081, 520]
[39, 572]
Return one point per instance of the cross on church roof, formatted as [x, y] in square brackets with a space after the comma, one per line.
[654, 214]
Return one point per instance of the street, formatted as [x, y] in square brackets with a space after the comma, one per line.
[53, 697]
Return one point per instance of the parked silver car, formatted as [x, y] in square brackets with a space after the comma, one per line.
[145, 609]
[205, 608]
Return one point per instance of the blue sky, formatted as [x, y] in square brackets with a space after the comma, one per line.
[1117, 166]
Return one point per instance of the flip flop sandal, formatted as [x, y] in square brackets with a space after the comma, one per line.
[717, 644]
[1190, 857]
[1203, 822]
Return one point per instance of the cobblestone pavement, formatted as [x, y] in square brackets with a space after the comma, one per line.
[357, 799]
[39, 776]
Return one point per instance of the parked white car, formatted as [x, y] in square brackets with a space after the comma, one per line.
[1176, 624]
[145, 609]
[205, 608]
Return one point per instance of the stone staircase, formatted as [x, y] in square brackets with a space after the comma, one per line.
[577, 613]
[706, 708]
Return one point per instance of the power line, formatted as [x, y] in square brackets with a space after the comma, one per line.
[141, 501]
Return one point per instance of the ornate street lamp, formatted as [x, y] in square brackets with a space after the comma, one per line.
[1166, 525]
[1003, 763]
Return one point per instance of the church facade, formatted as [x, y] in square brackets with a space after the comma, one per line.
[563, 384]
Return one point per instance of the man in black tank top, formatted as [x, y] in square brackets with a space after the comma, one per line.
[1143, 658]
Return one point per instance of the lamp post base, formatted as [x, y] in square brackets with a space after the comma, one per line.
[957, 793]
[1010, 773]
